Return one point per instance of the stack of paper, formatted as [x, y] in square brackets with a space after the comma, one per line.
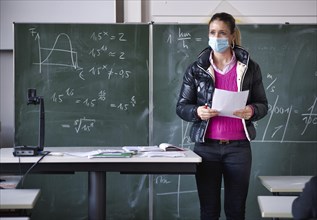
[163, 154]
[141, 148]
[101, 153]
[156, 151]
[227, 102]
[111, 154]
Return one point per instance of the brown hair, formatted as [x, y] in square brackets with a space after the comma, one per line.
[229, 20]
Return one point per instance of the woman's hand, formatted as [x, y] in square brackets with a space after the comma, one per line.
[205, 113]
[245, 113]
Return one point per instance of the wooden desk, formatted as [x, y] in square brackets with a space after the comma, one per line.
[18, 198]
[276, 206]
[97, 169]
[279, 184]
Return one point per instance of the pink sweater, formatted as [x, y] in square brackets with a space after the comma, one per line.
[226, 128]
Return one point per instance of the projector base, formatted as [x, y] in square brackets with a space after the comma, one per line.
[25, 151]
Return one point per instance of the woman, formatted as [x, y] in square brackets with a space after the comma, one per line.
[222, 142]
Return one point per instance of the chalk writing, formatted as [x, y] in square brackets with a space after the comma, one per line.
[63, 54]
[58, 97]
[102, 95]
[109, 71]
[84, 124]
[310, 118]
[104, 35]
[124, 106]
[121, 73]
[81, 125]
[134, 197]
[271, 86]
[178, 180]
[162, 180]
[280, 130]
[58, 54]
[87, 102]
[182, 37]
[94, 52]
[103, 50]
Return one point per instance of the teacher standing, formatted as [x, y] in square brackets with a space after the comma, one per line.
[222, 142]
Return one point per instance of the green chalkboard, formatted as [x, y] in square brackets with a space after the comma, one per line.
[286, 142]
[77, 112]
[94, 81]
[93, 78]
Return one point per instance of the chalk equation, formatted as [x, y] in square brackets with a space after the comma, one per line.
[304, 117]
[84, 124]
[91, 102]
[87, 124]
[105, 35]
[81, 125]
[184, 37]
[63, 54]
[124, 106]
[308, 118]
[110, 72]
[103, 50]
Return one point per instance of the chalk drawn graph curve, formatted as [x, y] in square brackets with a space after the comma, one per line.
[67, 52]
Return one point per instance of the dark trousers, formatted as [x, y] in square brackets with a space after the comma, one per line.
[230, 162]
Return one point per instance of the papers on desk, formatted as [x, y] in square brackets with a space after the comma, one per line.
[109, 153]
[226, 102]
[161, 147]
[163, 150]
[163, 154]
[128, 151]
[141, 148]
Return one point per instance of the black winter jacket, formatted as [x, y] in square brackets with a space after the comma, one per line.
[199, 84]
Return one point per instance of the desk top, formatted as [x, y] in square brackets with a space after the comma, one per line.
[284, 183]
[276, 206]
[134, 164]
[7, 157]
[18, 198]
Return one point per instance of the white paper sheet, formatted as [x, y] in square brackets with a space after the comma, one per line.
[226, 102]
[163, 154]
[94, 152]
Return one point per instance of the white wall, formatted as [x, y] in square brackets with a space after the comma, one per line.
[6, 98]
[50, 11]
[250, 11]
[103, 11]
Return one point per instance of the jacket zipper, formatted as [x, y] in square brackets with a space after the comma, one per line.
[241, 85]
[209, 74]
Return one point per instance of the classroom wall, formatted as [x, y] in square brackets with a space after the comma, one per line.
[81, 11]
[49, 11]
[250, 11]
[167, 11]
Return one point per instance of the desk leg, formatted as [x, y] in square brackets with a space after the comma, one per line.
[275, 194]
[151, 196]
[96, 196]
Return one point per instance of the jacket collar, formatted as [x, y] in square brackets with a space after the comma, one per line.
[203, 58]
[241, 54]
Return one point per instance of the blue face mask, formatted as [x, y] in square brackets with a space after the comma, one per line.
[218, 44]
